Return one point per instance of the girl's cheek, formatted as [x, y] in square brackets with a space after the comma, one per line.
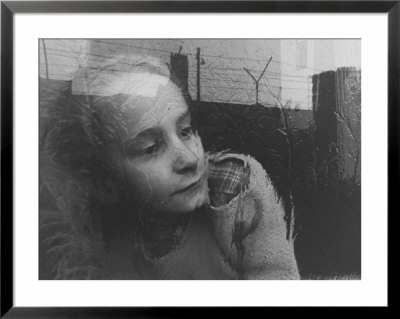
[198, 146]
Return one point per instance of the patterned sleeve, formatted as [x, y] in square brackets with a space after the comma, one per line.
[226, 180]
[250, 226]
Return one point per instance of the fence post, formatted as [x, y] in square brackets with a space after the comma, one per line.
[198, 73]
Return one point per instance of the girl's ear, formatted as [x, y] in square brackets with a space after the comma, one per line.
[106, 192]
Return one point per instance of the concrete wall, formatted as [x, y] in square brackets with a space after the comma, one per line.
[319, 56]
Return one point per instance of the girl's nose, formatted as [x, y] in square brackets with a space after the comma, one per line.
[185, 160]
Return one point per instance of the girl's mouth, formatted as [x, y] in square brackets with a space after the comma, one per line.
[191, 187]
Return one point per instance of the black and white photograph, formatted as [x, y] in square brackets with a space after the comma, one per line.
[199, 159]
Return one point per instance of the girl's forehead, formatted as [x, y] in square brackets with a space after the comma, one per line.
[106, 83]
[164, 108]
[138, 84]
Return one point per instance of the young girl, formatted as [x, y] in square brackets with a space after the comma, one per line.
[142, 199]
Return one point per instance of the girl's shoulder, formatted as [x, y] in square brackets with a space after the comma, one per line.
[231, 174]
[250, 225]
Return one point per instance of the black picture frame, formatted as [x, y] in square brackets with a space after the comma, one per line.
[9, 8]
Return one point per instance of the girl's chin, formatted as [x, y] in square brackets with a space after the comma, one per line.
[188, 202]
[191, 205]
[184, 203]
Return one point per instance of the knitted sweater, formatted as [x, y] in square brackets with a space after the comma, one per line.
[241, 238]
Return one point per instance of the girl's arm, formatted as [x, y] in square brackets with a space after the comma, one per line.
[251, 230]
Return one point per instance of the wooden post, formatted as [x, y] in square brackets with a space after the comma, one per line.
[45, 59]
[257, 92]
[198, 73]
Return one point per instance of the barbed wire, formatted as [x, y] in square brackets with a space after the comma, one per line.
[106, 57]
[208, 55]
[133, 46]
[224, 72]
[167, 52]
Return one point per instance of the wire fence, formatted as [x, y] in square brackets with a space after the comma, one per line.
[215, 81]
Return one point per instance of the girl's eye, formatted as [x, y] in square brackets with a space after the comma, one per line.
[186, 132]
[153, 149]
[132, 150]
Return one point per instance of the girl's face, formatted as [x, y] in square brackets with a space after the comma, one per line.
[163, 160]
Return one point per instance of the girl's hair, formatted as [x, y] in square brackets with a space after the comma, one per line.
[79, 123]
